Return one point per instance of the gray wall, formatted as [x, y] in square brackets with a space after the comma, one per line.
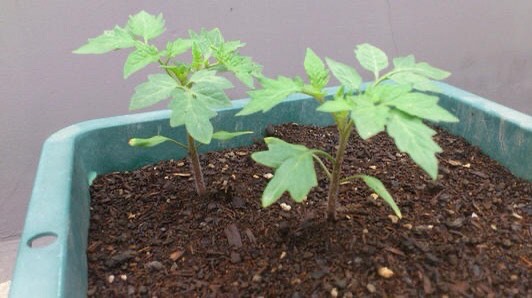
[486, 44]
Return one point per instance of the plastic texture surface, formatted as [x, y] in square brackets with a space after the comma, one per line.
[71, 158]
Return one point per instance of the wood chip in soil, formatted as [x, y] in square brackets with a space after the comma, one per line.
[466, 234]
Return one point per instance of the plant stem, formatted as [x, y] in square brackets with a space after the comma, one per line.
[195, 165]
[344, 132]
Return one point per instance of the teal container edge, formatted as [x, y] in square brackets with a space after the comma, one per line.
[72, 157]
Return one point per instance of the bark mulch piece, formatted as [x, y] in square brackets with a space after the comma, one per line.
[466, 234]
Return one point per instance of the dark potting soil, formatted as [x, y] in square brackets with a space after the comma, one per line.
[467, 234]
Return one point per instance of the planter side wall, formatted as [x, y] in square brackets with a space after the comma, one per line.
[72, 157]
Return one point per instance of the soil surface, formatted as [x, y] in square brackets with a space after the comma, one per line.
[465, 235]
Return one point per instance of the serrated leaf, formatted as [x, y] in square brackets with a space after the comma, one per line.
[408, 64]
[212, 96]
[412, 136]
[334, 106]
[194, 115]
[197, 59]
[294, 172]
[384, 93]
[207, 40]
[177, 47]
[346, 75]
[423, 106]
[146, 25]
[271, 94]
[223, 135]
[369, 118]
[243, 67]
[417, 81]
[209, 77]
[431, 71]
[158, 87]
[404, 62]
[111, 40]
[371, 58]
[315, 69]
[379, 188]
[138, 59]
[279, 151]
[149, 142]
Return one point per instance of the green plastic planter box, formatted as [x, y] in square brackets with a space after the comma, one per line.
[59, 208]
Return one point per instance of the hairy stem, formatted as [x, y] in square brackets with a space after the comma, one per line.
[196, 166]
[344, 132]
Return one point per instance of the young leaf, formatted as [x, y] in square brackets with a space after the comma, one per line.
[383, 93]
[423, 106]
[415, 138]
[380, 189]
[178, 46]
[207, 41]
[371, 58]
[209, 77]
[273, 92]
[404, 62]
[146, 25]
[149, 142]
[417, 81]
[408, 63]
[369, 118]
[209, 88]
[347, 75]
[223, 135]
[193, 114]
[333, 106]
[315, 69]
[138, 59]
[294, 170]
[158, 87]
[111, 40]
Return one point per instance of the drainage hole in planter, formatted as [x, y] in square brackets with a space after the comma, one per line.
[42, 240]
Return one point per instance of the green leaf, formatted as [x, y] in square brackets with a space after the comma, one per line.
[404, 62]
[209, 88]
[294, 170]
[207, 41]
[369, 118]
[194, 114]
[423, 106]
[158, 87]
[347, 75]
[383, 93]
[371, 58]
[197, 59]
[333, 106]
[417, 81]
[409, 64]
[149, 142]
[146, 25]
[273, 92]
[415, 138]
[177, 47]
[223, 135]
[111, 40]
[138, 59]
[243, 67]
[379, 188]
[209, 77]
[316, 71]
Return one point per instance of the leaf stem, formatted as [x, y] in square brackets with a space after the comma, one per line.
[320, 162]
[323, 153]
